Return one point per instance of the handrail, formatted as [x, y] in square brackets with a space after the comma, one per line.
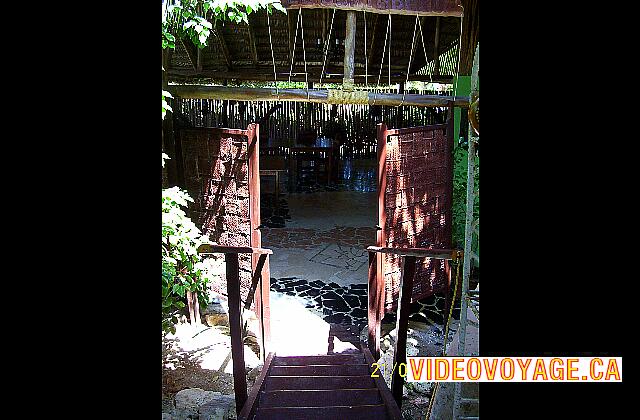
[235, 308]
[408, 258]
[438, 253]
[224, 249]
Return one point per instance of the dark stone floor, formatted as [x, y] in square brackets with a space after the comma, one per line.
[347, 305]
[274, 214]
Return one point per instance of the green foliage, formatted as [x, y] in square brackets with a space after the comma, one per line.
[460, 156]
[191, 19]
[182, 267]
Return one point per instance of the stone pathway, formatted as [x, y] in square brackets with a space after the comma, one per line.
[347, 305]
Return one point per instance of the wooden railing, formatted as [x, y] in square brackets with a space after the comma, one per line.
[376, 303]
[236, 308]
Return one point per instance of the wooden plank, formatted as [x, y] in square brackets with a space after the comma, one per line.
[262, 306]
[320, 398]
[392, 409]
[436, 43]
[373, 309]
[402, 324]
[470, 35]
[398, 131]
[321, 370]
[318, 96]
[235, 327]
[252, 42]
[223, 47]
[398, 7]
[250, 406]
[380, 232]
[319, 382]
[359, 412]
[372, 46]
[262, 73]
[329, 359]
[257, 276]
[349, 50]
[446, 254]
[192, 52]
[223, 249]
[190, 306]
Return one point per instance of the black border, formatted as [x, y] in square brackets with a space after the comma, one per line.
[557, 205]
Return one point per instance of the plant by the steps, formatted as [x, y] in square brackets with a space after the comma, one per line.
[182, 267]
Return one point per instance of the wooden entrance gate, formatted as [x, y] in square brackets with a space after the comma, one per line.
[415, 183]
[220, 171]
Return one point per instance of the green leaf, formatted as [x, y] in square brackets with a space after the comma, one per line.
[279, 6]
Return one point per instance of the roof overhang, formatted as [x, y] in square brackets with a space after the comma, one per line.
[402, 7]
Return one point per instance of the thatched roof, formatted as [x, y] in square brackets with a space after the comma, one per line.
[243, 52]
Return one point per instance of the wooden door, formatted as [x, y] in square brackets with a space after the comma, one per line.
[220, 171]
[415, 183]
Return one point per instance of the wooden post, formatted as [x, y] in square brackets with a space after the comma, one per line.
[373, 341]
[402, 322]
[235, 327]
[308, 110]
[382, 214]
[349, 50]
[262, 292]
[190, 306]
[436, 67]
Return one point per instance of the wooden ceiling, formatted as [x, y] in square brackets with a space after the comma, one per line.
[244, 52]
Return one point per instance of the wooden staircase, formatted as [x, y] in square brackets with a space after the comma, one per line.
[336, 386]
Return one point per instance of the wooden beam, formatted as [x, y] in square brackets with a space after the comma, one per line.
[223, 47]
[252, 43]
[257, 276]
[290, 32]
[446, 254]
[317, 96]
[402, 322]
[249, 409]
[349, 50]
[375, 294]
[372, 46]
[192, 52]
[266, 74]
[223, 249]
[235, 327]
[396, 7]
[470, 35]
[393, 411]
[436, 68]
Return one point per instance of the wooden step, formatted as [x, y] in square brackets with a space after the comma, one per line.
[273, 383]
[333, 359]
[360, 412]
[321, 370]
[319, 398]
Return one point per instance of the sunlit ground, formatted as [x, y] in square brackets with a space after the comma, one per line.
[296, 331]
